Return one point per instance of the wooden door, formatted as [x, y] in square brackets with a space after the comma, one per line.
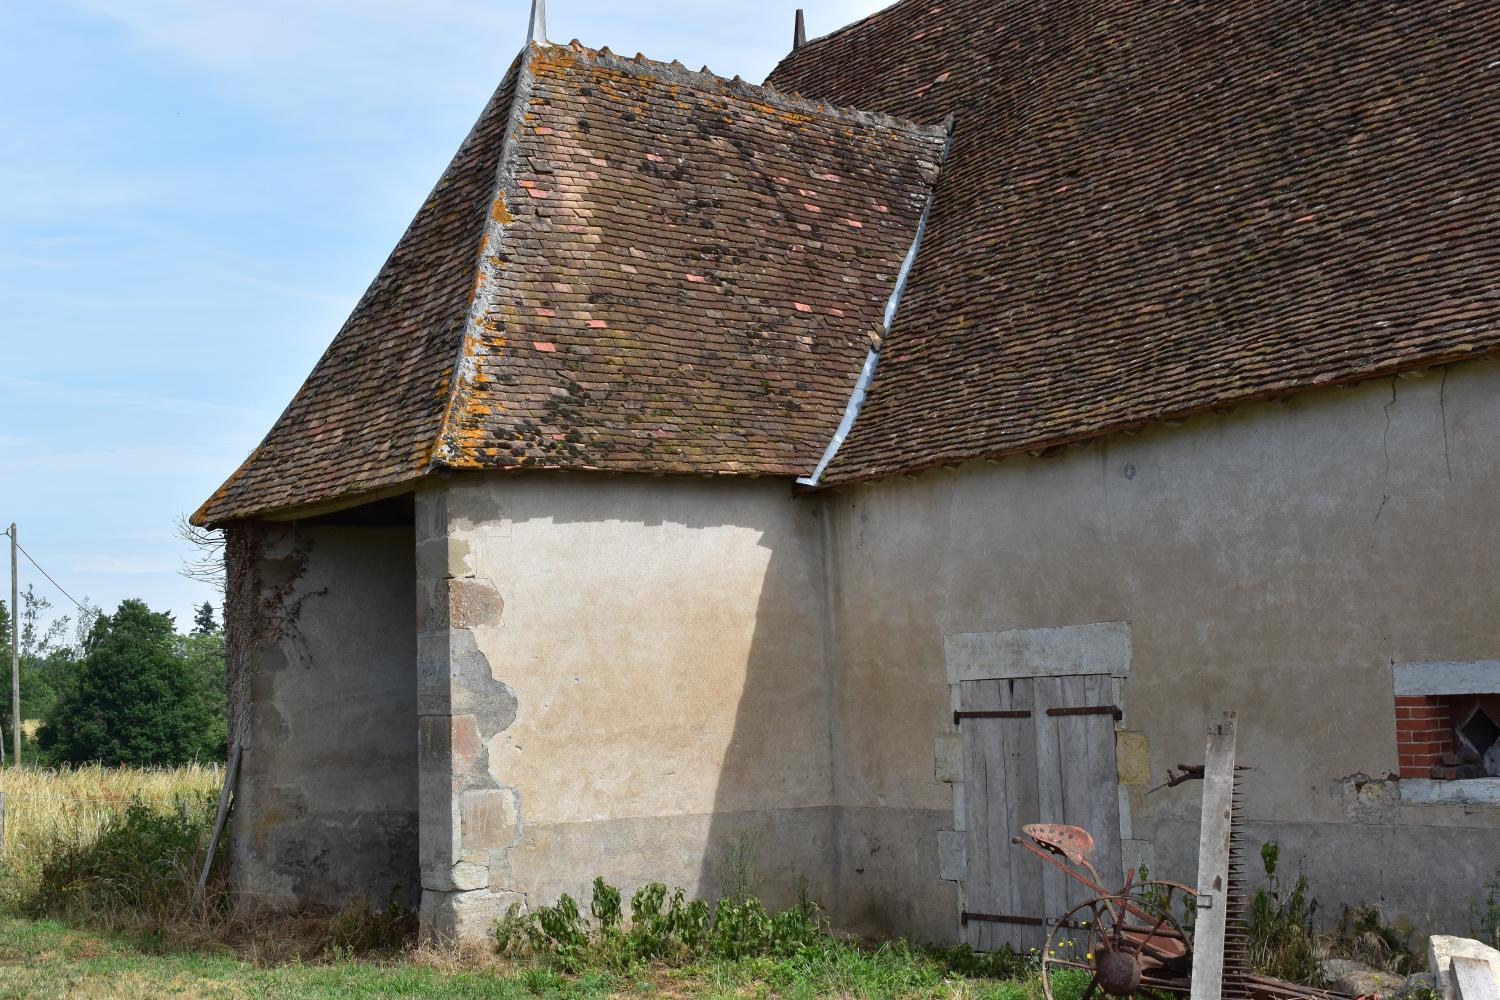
[1035, 750]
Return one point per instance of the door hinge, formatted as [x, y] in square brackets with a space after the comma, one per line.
[1110, 710]
[1011, 713]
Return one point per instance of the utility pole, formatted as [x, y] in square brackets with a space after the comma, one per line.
[15, 654]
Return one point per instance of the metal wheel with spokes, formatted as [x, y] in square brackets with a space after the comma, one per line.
[1130, 945]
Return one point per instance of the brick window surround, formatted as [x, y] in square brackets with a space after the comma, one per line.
[1434, 700]
[1424, 733]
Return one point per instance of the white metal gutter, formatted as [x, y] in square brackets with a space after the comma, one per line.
[872, 360]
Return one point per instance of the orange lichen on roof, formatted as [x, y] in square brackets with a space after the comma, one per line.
[541, 229]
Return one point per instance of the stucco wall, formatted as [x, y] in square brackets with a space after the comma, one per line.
[326, 809]
[624, 677]
[1275, 560]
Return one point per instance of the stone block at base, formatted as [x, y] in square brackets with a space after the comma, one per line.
[463, 916]
[1443, 949]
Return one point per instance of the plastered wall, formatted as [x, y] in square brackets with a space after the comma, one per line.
[620, 677]
[326, 807]
[1275, 560]
[717, 685]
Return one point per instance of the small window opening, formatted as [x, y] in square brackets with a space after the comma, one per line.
[1479, 742]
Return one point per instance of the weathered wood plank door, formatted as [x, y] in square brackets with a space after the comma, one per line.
[1035, 750]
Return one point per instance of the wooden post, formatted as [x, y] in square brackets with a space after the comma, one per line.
[2, 822]
[231, 775]
[15, 652]
[1213, 861]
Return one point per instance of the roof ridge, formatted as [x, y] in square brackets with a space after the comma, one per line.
[485, 271]
[705, 78]
[836, 32]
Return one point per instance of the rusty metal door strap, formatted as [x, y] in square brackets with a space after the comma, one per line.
[1000, 918]
[1109, 710]
[1025, 713]
[1014, 713]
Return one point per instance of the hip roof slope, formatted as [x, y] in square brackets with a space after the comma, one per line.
[1155, 208]
[690, 274]
[627, 267]
[368, 414]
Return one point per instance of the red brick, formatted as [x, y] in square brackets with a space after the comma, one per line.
[1419, 759]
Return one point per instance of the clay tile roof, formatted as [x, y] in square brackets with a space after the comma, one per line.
[632, 267]
[1152, 208]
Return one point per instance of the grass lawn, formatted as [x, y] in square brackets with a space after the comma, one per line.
[51, 959]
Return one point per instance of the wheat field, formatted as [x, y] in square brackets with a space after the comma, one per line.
[45, 808]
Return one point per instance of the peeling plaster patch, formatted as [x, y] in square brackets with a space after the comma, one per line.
[493, 703]
[442, 558]
[1366, 799]
[474, 603]
[473, 509]
[472, 819]
[459, 604]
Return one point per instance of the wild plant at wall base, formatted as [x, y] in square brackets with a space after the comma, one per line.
[1484, 913]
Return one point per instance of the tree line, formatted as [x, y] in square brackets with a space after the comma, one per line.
[120, 689]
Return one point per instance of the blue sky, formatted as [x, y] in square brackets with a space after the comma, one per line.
[193, 194]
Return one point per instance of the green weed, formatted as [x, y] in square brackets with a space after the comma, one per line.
[1484, 913]
[142, 865]
[1282, 943]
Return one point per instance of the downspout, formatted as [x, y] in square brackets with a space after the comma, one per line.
[872, 360]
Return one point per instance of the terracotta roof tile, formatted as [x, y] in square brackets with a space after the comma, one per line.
[682, 293]
[1155, 208]
[631, 267]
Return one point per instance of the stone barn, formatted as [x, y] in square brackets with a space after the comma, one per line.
[706, 456]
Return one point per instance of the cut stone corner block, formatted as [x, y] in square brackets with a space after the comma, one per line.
[953, 856]
[1473, 979]
[948, 754]
[463, 916]
[1443, 949]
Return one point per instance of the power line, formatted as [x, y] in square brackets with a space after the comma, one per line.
[54, 583]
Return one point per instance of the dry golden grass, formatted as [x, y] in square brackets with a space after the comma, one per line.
[46, 808]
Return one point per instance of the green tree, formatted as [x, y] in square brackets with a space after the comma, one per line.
[134, 699]
[47, 660]
[202, 656]
[203, 620]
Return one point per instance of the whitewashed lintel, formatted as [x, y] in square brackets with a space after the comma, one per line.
[1096, 648]
[1444, 677]
[1468, 792]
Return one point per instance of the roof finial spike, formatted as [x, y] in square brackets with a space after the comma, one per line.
[537, 31]
[799, 32]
